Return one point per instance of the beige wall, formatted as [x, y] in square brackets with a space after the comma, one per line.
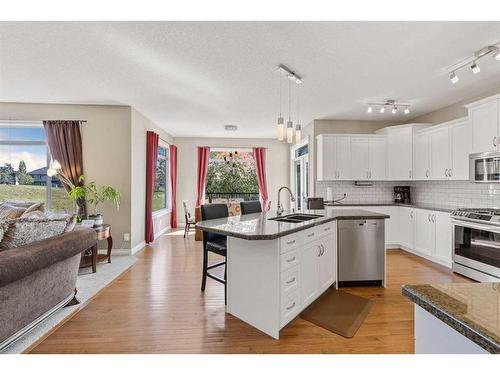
[161, 221]
[277, 165]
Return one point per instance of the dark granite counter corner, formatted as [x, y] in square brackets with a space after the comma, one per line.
[260, 227]
[471, 309]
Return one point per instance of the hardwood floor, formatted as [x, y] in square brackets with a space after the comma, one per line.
[157, 307]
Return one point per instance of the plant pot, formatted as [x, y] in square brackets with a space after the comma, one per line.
[98, 219]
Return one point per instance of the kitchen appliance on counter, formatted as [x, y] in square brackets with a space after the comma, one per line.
[484, 167]
[361, 252]
[476, 243]
[402, 194]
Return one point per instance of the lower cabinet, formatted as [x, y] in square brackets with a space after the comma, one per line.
[425, 231]
[443, 250]
[391, 224]
[407, 227]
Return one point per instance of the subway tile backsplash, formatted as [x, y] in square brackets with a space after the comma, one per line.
[441, 193]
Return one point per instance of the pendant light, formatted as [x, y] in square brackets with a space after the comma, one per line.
[298, 127]
[281, 122]
[289, 124]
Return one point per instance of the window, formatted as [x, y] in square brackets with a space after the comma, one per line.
[231, 174]
[161, 196]
[24, 158]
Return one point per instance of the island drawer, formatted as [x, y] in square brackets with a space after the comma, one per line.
[289, 260]
[289, 280]
[290, 307]
[288, 243]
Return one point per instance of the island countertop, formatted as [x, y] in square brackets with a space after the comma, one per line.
[472, 309]
[259, 227]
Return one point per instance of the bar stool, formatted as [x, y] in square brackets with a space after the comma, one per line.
[250, 207]
[214, 243]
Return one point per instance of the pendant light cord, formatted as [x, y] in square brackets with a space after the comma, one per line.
[289, 101]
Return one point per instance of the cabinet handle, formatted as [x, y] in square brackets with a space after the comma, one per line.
[427, 173]
[291, 281]
[291, 306]
[434, 218]
[450, 173]
[411, 214]
[290, 260]
[409, 174]
[322, 250]
[429, 217]
[290, 242]
[327, 228]
[319, 253]
[370, 174]
[310, 235]
[495, 141]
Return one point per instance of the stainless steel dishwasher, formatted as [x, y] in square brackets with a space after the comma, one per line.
[361, 252]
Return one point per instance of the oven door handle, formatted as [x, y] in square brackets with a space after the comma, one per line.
[468, 224]
[493, 245]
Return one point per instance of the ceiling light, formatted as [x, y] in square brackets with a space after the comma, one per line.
[289, 132]
[370, 109]
[382, 109]
[496, 55]
[394, 110]
[475, 68]
[298, 134]
[407, 110]
[281, 128]
[454, 78]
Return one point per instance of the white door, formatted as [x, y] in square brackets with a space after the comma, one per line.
[326, 158]
[443, 237]
[460, 148]
[440, 153]
[301, 181]
[343, 158]
[377, 158]
[359, 158]
[406, 227]
[399, 154]
[424, 232]
[484, 126]
[327, 263]
[309, 284]
[422, 156]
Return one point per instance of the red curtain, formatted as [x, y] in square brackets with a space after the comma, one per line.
[203, 154]
[259, 154]
[173, 180]
[151, 159]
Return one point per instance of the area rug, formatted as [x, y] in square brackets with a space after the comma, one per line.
[88, 285]
[339, 312]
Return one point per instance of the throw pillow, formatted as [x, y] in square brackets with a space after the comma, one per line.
[34, 207]
[34, 215]
[23, 231]
[8, 211]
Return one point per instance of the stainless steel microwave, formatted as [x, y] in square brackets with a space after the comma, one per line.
[484, 167]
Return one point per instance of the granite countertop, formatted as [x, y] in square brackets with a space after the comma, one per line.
[259, 227]
[423, 206]
[472, 309]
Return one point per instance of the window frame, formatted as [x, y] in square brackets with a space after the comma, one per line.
[168, 187]
[31, 124]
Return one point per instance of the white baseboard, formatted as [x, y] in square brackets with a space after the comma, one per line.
[163, 231]
[138, 247]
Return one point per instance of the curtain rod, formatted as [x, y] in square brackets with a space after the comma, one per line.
[36, 121]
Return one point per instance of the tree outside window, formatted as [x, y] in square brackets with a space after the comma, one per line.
[162, 180]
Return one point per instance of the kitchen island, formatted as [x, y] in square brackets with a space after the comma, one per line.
[459, 318]
[276, 266]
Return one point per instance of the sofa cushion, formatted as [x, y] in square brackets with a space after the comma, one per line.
[8, 211]
[34, 207]
[23, 231]
[18, 263]
[33, 215]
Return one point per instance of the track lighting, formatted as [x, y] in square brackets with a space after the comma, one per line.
[389, 104]
[471, 61]
[475, 69]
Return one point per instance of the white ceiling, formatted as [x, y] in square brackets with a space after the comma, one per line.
[191, 78]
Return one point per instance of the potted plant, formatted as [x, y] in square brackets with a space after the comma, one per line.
[95, 195]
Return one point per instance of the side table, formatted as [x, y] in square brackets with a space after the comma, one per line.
[90, 257]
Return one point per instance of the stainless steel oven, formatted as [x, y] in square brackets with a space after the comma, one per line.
[476, 247]
[484, 167]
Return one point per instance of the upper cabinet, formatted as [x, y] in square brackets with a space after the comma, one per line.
[441, 152]
[484, 117]
[333, 157]
[368, 157]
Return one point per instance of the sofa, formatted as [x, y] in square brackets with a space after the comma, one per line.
[37, 279]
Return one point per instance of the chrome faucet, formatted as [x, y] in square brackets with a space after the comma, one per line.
[280, 209]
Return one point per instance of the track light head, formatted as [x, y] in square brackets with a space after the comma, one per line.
[370, 109]
[382, 109]
[453, 77]
[394, 110]
[496, 55]
[475, 68]
[407, 110]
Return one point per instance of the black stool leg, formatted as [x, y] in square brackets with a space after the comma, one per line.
[225, 283]
[205, 270]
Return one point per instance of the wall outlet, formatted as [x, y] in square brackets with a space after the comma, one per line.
[126, 236]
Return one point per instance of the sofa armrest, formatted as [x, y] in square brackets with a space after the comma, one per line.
[22, 261]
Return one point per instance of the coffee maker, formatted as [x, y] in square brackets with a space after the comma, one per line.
[402, 194]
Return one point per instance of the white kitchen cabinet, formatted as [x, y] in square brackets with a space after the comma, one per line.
[425, 232]
[399, 154]
[391, 224]
[443, 251]
[460, 132]
[327, 273]
[309, 288]
[439, 153]
[407, 227]
[485, 124]
[360, 158]
[333, 157]
[377, 157]
[422, 156]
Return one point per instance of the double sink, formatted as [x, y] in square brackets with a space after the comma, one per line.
[295, 218]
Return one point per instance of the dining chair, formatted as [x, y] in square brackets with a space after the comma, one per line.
[250, 207]
[190, 221]
[214, 243]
